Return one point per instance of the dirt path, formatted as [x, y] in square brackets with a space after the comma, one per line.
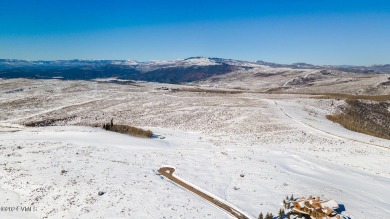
[168, 173]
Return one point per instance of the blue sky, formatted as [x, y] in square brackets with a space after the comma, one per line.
[318, 32]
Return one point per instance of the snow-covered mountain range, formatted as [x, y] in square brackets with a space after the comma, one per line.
[176, 71]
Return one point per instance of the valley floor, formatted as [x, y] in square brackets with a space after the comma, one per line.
[249, 149]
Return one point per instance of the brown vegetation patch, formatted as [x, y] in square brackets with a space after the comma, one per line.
[353, 97]
[130, 130]
[201, 90]
[277, 90]
[372, 118]
[47, 122]
[265, 75]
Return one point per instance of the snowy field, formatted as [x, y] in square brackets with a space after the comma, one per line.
[249, 149]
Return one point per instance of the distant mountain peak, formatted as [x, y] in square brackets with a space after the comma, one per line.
[199, 61]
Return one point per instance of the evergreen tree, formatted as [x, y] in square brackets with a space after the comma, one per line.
[261, 216]
[281, 214]
[292, 198]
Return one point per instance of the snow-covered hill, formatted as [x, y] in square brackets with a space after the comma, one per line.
[250, 149]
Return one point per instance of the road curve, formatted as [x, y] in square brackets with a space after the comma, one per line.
[168, 173]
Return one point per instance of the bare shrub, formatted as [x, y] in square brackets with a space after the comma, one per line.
[130, 130]
[48, 121]
[371, 118]
[126, 129]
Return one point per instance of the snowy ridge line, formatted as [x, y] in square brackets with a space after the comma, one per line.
[167, 171]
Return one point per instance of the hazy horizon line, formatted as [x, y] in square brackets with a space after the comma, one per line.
[177, 59]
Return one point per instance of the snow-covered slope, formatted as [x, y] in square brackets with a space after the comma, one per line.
[249, 149]
[266, 79]
[60, 170]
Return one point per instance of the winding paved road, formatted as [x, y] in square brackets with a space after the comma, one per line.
[168, 173]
